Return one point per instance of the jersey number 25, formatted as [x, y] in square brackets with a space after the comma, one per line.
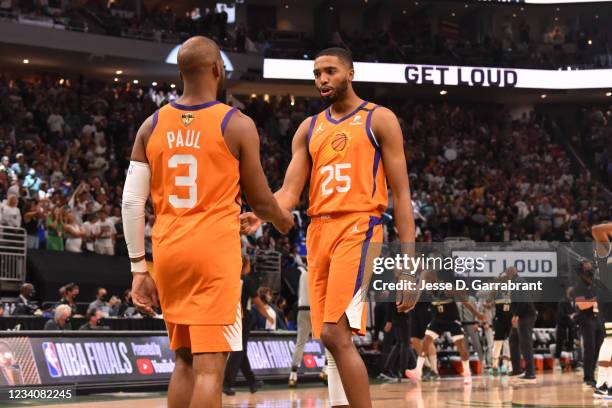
[334, 172]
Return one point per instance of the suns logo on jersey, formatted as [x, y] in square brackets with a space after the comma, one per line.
[187, 118]
[336, 147]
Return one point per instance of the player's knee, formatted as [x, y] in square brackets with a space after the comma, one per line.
[184, 359]
[333, 340]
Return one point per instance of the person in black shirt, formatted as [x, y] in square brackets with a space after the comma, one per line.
[31, 218]
[238, 360]
[603, 254]
[93, 317]
[565, 333]
[521, 337]
[69, 293]
[589, 321]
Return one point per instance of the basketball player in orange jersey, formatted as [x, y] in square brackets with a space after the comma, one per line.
[349, 151]
[193, 156]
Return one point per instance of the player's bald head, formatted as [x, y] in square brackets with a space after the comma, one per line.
[197, 55]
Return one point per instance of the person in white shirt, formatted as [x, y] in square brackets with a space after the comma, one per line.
[10, 214]
[74, 234]
[89, 227]
[55, 122]
[105, 235]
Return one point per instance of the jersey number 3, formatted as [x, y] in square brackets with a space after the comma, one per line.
[185, 181]
[335, 172]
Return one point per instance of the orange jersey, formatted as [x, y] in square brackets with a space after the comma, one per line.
[196, 197]
[347, 174]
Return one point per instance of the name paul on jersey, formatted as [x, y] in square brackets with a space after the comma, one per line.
[177, 139]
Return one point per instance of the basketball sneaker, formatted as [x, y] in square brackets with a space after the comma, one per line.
[524, 379]
[601, 391]
[293, 379]
[413, 375]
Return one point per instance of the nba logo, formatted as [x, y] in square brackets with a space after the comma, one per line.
[53, 363]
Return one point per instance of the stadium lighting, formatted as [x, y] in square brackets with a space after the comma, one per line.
[286, 6]
[154, 83]
[514, 15]
[443, 92]
[119, 72]
[172, 86]
[253, 96]
[135, 81]
[590, 42]
[466, 6]
[403, 11]
[543, 96]
[116, 79]
[266, 98]
[26, 61]
[331, 8]
[608, 93]
[453, 14]
[61, 81]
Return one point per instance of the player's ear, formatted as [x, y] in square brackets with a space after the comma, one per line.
[351, 74]
[181, 76]
[217, 70]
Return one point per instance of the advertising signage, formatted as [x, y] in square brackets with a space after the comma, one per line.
[131, 359]
[448, 75]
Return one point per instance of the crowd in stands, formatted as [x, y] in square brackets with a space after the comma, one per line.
[596, 133]
[564, 42]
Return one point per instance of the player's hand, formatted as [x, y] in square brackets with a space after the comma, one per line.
[388, 327]
[406, 299]
[249, 223]
[144, 292]
[285, 223]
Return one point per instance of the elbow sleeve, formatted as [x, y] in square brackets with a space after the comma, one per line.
[135, 194]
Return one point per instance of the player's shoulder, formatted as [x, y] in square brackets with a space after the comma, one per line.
[382, 112]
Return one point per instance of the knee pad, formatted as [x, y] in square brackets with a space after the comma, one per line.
[337, 396]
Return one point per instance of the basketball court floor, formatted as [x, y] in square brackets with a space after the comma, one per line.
[552, 390]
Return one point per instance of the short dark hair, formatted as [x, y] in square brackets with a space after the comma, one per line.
[342, 54]
[91, 313]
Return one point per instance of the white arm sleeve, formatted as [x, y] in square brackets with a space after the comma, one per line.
[135, 194]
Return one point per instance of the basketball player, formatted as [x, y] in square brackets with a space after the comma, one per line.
[445, 319]
[349, 151]
[602, 234]
[420, 317]
[193, 155]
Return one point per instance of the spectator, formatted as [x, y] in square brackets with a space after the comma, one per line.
[55, 123]
[90, 231]
[277, 321]
[61, 319]
[69, 293]
[105, 235]
[11, 216]
[55, 230]
[74, 233]
[24, 305]
[93, 318]
[20, 168]
[33, 215]
[126, 307]
[100, 302]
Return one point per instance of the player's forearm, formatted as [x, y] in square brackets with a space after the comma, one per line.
[404, 221]
[267, 210]
[287, 199]
[135, 195]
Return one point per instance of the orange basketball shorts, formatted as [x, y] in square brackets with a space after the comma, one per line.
[209, 338]
[337, 249]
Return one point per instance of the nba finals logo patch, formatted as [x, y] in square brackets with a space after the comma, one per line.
[187, 118]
